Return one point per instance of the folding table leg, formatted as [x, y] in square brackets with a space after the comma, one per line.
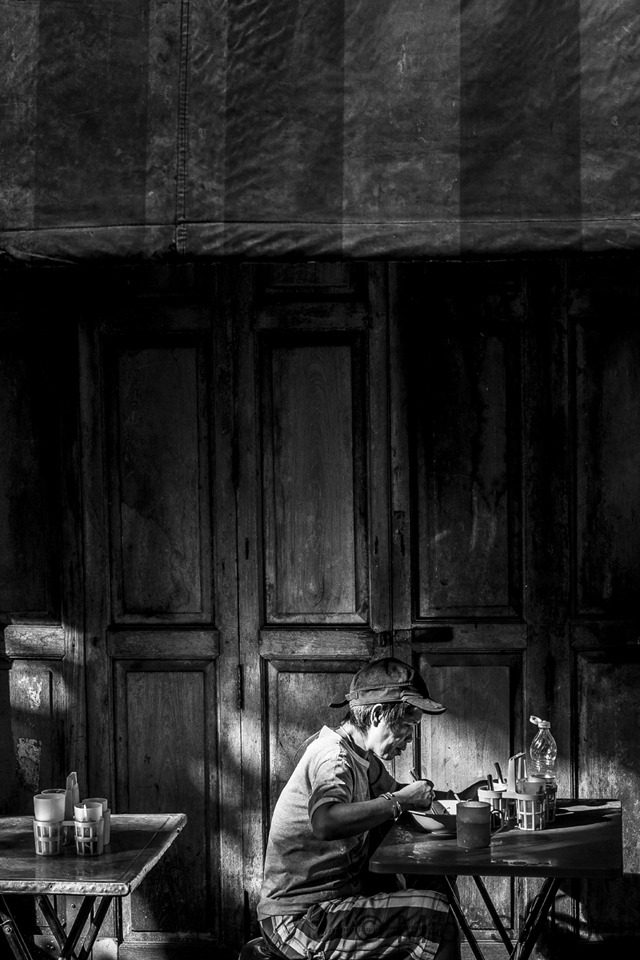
[81, 918]
[484, 893]
[535, 918]
[94, 929]
[13, 936]
[462, 920]
[57, 930]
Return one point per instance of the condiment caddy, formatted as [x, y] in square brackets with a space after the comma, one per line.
[60, 819]
[529, 799]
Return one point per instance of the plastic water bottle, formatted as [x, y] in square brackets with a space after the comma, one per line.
[543, 751]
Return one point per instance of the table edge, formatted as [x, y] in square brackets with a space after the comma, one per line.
[527, 870]
[108, 888]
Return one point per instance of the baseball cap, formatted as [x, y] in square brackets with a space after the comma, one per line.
[389, 681]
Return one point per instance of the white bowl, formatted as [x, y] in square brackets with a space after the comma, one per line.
[437, 821]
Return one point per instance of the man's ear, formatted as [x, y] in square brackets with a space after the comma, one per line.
[376, 714]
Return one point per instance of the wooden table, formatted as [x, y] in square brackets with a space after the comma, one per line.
[138, 841]
[584, 841]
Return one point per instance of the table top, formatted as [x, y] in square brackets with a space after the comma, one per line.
[138, 841]
[585, 840]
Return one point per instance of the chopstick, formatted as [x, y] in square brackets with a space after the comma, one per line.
[436, 807]
[499, 772]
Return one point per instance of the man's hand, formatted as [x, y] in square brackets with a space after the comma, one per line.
[418, 795]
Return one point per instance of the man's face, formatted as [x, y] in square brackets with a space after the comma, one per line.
[388, 741]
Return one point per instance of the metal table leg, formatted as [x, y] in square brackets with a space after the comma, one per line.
[484, 893]
[462, 920]
[50, 915]
[13, 936]
[94, 929]
[535, 918]
[531, 927]
[66, 942]
[68, 950]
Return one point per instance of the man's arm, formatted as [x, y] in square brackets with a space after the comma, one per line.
[336, 821]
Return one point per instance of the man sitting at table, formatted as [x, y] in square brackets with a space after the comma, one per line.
[318, 898]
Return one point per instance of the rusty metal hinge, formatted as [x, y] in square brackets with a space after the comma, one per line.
[240, 686]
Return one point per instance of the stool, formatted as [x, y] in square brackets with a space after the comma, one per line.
[257, 949]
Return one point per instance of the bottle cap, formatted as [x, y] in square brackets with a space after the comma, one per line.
[539, 722]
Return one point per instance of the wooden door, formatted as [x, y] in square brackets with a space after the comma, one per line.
[161, 612]
[313, 530]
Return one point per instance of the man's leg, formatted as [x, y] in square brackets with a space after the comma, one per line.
[450, 943]
[449, 948]
[380, 927]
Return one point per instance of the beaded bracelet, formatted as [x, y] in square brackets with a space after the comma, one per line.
[396, 810]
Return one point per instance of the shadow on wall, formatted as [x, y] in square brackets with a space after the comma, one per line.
[553, 945]
[14, 798]
[598, 939]
[32, 753]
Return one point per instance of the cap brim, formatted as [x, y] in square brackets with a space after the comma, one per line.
[425, 703]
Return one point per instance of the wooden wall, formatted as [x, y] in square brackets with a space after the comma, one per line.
[224, 488]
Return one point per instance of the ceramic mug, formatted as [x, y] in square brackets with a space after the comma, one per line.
[473, 819]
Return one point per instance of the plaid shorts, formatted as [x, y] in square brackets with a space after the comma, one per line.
[406, 922]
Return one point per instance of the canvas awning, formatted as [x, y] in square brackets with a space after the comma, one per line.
[318, 128]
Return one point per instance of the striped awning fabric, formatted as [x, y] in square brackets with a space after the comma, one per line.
[318, 128]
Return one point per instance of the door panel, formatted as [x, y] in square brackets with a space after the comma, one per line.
[314, 495]
[161, 537]
[607, 375]
[168, 765]
[297, 694]
[482, 694]
[465, 396]
[29, 432]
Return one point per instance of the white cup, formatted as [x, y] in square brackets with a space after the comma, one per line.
[89, 811]
[106, 814]
[104, 803]
[49, 807]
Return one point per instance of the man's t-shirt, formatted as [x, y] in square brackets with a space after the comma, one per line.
[300, 869]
